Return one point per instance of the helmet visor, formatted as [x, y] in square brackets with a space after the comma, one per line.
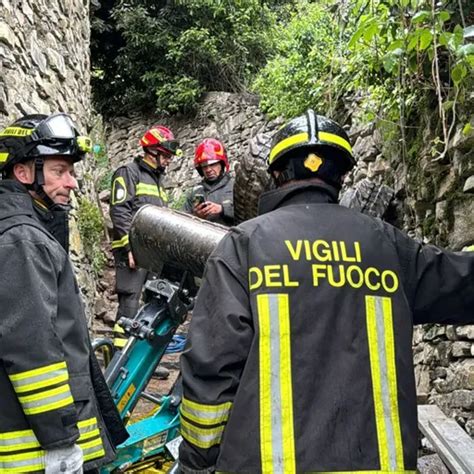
[59, 126]
[170, 145]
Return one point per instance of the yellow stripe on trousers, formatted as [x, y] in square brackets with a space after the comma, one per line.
[277, 442]
[384, 382]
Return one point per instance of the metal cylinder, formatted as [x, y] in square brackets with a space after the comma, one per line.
[163, 236]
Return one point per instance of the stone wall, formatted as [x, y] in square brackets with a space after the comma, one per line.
[232, 118]
[45, 68]
[436, 206]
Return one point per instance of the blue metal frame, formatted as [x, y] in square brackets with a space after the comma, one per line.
[130, 370]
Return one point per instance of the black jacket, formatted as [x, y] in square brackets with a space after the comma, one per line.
[50, 385]
[133, 185]
[221, 192]
[299, 357]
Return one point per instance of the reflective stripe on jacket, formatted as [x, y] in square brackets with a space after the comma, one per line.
[299, 355]
[133, 186]
[48, 398]
[221, 192]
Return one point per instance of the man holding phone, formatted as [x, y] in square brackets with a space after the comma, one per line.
[213, 199]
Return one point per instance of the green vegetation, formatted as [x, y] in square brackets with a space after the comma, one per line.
[386, 56]
[162, 55]
[91, 228]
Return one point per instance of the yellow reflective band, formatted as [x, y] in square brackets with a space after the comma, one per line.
[150, 163]
[163, 195]
[32, 461]
[384, 382]
[277, 441]
[119, 190]
[17, 441]
[86, 423]
[47, 401]
[94, 455]
[287, 143]
[45, 394]
[52, 406]
[89, 434]
[336, 139]
[39, 371]
[362, 472]
[16, 132]
[42, 384]
[3, 157]
[144, 189]
[123, 242]
[205, 414]
[201, 437]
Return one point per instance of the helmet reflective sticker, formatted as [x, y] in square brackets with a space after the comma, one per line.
[313, 162]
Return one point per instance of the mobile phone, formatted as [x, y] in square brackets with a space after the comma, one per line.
[198, 199]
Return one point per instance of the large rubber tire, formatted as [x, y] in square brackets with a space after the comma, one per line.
[251, 177]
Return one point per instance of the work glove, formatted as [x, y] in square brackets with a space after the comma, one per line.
[64, 460]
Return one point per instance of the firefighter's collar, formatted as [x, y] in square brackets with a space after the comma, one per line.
[297, 193]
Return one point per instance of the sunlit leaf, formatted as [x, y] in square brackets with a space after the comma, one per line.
[458, 73]
[421, 16]
[426, 38]
[444, 15]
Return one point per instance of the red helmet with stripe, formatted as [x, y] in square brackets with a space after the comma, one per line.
[208, 152]
[160, 138]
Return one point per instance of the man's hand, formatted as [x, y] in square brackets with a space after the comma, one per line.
[207, 209]
[131, 261]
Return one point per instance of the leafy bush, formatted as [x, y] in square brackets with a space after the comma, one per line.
[162, 56]
[389, 56]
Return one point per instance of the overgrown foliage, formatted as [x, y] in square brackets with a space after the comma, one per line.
[162, 55]
[91, 228]
[388, 56]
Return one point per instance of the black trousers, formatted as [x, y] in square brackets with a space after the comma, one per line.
[128, 285]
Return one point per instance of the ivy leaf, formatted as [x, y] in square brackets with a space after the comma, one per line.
[426, 38]
[371, 30]
[467, 129]
[396, 45]
[444, 15]
[413, 41]
[444, 38]
[421, 16]
[458, 73]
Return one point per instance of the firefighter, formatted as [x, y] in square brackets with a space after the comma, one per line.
[213, 199]
[134, 185]
[56, 414]
[299, 357]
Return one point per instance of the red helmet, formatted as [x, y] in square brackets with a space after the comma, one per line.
[161, 138]
[210, 151]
